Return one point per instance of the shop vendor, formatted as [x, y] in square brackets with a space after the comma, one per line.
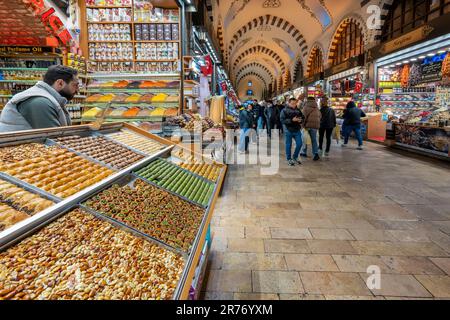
[42, 106]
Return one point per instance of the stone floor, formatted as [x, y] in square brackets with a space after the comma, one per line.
[311, 232]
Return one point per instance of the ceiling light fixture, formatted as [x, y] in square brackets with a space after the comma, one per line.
[422, 57]
[441, 51]
[430, 55]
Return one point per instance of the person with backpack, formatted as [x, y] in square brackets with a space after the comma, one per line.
[246, 124]
[352, 123]
[291, 117]
[327, 125]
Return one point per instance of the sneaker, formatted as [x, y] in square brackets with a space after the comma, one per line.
[322, 153]
[291, 163]
[343, 145]
[327, 154]
[316, 157]
[304, 155]
[297, 161]
[241, 152]
[360, 148]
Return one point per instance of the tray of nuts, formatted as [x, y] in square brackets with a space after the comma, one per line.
[81, 257]
[154, 212]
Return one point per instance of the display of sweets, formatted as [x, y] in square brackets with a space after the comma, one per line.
[21, 75]
[145, 12]
[157, 51]
[109, 32]
[108, 3]
[152, 211]
[80, 257]
[102, 150]
[152, 32]
[137, 141]
[109, 15]
[53, 169]
[110, 66]
[111, 51]
[17, 204]
[157, 67]
[172, 177]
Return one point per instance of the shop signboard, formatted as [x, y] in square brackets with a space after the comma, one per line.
[351, 63]
[25, 49]
[311, 80]
[431, 30]
[432, 72]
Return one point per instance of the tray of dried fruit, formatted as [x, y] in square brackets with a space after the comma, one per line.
[175, 179]
[53, 169]
[100, 149]
[20, 201]
[78, 255]
[153, 212]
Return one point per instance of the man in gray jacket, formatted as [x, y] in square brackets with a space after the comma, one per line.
[42, 106]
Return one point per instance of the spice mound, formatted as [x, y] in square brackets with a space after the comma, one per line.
[79, 257]
[152, 211]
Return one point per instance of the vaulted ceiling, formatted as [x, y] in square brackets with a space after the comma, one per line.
[263, 39]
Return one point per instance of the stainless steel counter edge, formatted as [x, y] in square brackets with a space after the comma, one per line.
[24, 228]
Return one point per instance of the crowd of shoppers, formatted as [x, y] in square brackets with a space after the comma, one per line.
[301, 120]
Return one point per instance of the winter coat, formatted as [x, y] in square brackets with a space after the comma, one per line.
[328, 120]
[39, 107]
[246, 119]
[271, 114]
[352, 115]
[286, 118]
[312, 115]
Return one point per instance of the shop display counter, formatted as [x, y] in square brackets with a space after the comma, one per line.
[430, 140]
[105, 209]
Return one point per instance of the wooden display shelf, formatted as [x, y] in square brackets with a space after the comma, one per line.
[108, 7]
[156, 41]
[111, 41]
[92, 22]
[129, 105]
[166, 60]
[162, 22]
[93, 60]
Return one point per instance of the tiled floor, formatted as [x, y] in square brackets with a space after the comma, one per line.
[311, 232]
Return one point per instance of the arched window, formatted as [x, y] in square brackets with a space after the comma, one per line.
[315, 63]
[298, 76]
[349, 42]
[407, 15]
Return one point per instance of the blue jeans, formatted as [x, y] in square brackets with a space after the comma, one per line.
[297, 136]
[315, 146]
[243, 134]
[348, 129]
[260, 124]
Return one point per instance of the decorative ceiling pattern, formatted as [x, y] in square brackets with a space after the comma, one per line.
[261, 50]
[269, 20]
[252, 74]
[278, 35]
[255, 65]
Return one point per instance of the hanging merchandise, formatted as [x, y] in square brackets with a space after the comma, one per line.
[415, 75]
[217, 110]
[405, 76]
[207, 69]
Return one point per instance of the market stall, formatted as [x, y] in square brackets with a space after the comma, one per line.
[134, 59]
[413, 86]
[150, 208]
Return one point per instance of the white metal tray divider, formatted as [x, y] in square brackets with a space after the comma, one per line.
[22, 229]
